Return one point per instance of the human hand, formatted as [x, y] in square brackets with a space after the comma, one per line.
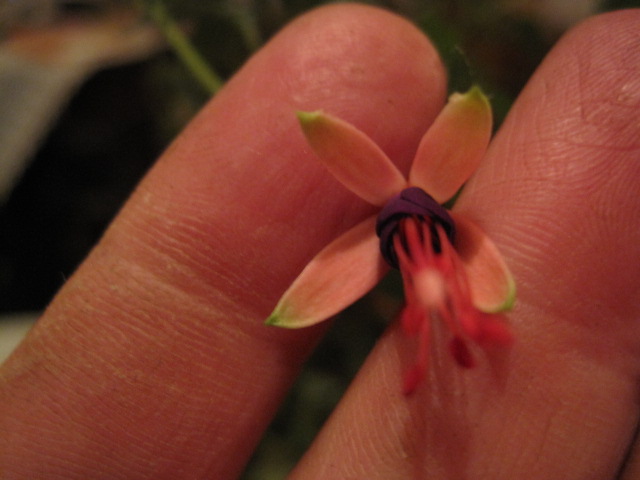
[153, 361]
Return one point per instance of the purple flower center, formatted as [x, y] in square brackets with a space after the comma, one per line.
[411, 202]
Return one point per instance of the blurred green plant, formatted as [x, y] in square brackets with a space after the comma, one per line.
[183, 48]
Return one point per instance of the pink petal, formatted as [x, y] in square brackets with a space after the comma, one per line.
[490, 282]
[417, 372]
[352, 157]
[452, 148]
[339, 275]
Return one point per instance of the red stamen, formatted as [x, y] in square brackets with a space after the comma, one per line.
[417, 372]
[436, 287]
[461, 353]
[411, 319]
[493, 331]
[412, 379]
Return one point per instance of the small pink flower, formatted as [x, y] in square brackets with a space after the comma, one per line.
[451, 271]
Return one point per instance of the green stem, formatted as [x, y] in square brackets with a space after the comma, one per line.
[183, 48]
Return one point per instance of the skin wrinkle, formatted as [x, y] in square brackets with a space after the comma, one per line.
[142, 282]
[605, 113]
[174, 262]
[192, 226]
[538, 437]
[70, 445]
[173, 327]
[629, 93]
[395, 445]
[160, 241]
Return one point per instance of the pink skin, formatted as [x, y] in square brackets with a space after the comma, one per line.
[153, 361]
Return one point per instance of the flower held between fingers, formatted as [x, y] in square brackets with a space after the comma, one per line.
[451, 271]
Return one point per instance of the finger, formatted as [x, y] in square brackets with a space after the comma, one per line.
[558, 193]
[153, 361]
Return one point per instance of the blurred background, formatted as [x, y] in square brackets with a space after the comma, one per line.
[92, 91]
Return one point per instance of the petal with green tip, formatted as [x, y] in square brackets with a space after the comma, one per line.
[339, 275]
[352, 157]
[453, 146]
[490, 282]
